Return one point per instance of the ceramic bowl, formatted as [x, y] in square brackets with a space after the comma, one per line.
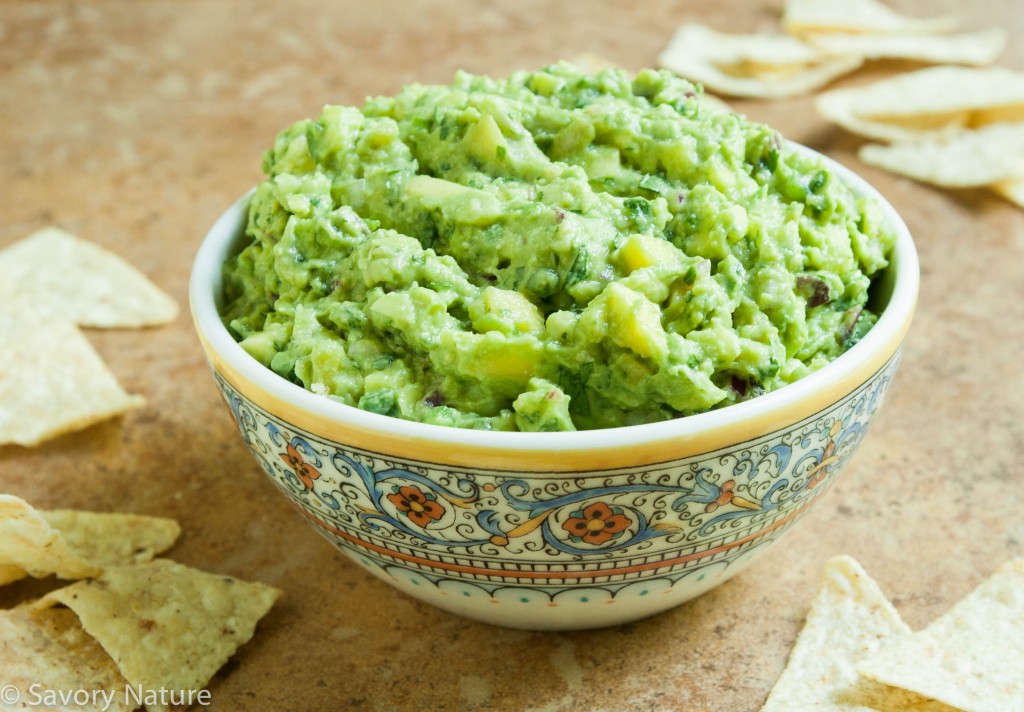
[557, 530]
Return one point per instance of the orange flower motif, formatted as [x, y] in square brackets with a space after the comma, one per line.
[728, 496]
[303, 470]
[724, 498]
[422, 508]
[597, 523]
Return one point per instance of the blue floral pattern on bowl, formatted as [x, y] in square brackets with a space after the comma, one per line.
[530, 538]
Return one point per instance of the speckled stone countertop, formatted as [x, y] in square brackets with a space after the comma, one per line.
[135, 124]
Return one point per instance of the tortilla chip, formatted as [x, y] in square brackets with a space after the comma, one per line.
[856, 16]
[961, 160]
[976, 49]
[972, 657]
[29, 542]
[51, 380]
[48, 651]
[849, 620]
[167, 626]
[760, 66]
[114, 538]
[927, 103]
[1012, 190]
[75, 544]
[10, 573]
[65, 277]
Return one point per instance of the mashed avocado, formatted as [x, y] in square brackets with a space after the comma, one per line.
[553, 251]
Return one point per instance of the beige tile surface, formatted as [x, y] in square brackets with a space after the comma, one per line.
[135, 124]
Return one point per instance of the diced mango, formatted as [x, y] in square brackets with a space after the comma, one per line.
[635, 322]
[506, 311]
[513, 364]
[509, 360]
[515, 359]
[640, 251]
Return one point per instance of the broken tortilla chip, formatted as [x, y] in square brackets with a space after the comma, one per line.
[28, 542]
[114, 538]
[928, 102]
[97, 538]
[849, 620]
[976, 48]
[47, 651]
[65, 277]
[758, 66]
[965, 159]
[51, 380]
[1012, 190]
[10, 573]
[167, 626]
[865, 16]
[972, 657]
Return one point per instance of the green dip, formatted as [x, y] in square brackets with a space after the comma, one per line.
[554, 251]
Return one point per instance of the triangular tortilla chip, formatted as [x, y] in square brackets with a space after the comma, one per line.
[964, 159]
[65, 277]
[167, 626]
[97, 538]
[760, 66]
[29, 542]
[849, 620]
[47, 651]
[976, 48]
[51, 380]
[972, 657]
[926, 103]
[868, 16]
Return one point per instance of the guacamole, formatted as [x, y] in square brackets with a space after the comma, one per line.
[548, 252]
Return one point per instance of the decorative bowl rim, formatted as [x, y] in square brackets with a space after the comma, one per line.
[875, 348]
